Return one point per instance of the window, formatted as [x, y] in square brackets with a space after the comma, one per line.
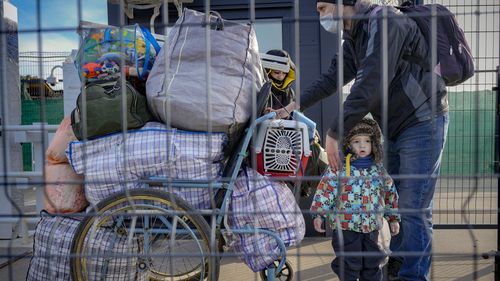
[269, 34]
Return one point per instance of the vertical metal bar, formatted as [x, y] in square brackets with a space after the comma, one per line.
[3, 113]
[497, 160]
[497, 168]
[340, 97]
[296, 37]
[208, 77]
[476, 171]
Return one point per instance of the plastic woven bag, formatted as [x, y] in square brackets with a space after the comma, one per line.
[52, 252]
[55, 152]
[221, 104]
[105, 51]
[64, 191]
[257, 202]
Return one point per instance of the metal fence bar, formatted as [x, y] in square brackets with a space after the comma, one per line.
[468, 214]
[497, 167]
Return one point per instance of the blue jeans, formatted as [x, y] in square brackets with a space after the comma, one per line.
[415, 156]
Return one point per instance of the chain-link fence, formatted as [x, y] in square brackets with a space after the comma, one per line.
[33, 84]
[181, 195]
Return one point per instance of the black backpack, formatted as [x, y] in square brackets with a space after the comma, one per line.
[453, 53]
[455, 63]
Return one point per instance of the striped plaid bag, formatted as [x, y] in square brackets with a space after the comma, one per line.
[258, 202]
[114, 163]
[52, 247]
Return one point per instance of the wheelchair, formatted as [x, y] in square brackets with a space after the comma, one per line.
[153, 234]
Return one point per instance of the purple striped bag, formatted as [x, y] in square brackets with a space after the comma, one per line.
[258, 202]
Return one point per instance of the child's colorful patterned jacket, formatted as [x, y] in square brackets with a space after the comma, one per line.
[365, 195]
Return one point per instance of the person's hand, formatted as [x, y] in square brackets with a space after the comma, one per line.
[268, 110]
[318, 225]
[332, 151]
[284, 112]
[394, 227]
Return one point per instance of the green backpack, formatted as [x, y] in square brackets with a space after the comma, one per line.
[104, 109]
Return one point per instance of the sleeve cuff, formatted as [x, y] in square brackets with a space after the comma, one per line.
[332, 134]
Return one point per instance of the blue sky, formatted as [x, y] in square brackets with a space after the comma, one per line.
[55, 15]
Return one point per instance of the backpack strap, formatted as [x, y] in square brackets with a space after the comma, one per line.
[372, 14]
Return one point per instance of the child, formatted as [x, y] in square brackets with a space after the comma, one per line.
[281, 93]
[365, 191]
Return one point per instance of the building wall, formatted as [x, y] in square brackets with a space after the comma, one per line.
[10, 151]
[316, 46]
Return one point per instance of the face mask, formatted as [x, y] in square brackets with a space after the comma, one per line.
[329, 23]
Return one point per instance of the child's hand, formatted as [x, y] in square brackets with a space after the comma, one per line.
[318, 224]
[394, 227]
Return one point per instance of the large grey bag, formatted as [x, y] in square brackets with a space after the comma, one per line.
[181, 87]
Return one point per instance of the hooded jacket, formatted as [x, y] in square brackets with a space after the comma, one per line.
[409, 85]
[281, 92]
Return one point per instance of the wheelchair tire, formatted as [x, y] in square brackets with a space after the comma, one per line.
[286, 273]
[130, 237]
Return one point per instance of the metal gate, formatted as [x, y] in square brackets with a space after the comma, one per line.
[465, 208]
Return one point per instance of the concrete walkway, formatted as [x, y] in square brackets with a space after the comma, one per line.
[453, 258]
[454, 252]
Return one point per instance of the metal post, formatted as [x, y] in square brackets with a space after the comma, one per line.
[497, 171]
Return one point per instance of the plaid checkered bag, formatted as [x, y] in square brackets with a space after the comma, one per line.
[258, 202]
[114, 163]
[52, 247]
[112, 258]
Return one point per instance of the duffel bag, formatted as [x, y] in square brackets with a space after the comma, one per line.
[178, 92]
[104, 105]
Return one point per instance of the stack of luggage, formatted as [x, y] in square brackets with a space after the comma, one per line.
[177, 125]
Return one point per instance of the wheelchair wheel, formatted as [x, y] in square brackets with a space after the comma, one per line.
[144, 234]
[286, 273]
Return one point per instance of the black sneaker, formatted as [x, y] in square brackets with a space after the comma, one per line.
[393, 266]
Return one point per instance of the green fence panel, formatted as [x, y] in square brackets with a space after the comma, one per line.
[31, 113]
[471, 135]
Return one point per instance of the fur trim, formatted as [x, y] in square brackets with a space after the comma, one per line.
[368, 127]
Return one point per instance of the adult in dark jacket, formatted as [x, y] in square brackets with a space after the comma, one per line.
[409, 102]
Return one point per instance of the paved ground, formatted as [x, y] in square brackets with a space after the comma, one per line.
[457, 253]
[453, 259]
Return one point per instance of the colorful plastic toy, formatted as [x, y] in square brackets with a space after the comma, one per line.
[92, 70]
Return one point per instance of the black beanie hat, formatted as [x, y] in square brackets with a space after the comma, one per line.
[279, 53]
[344, 2]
